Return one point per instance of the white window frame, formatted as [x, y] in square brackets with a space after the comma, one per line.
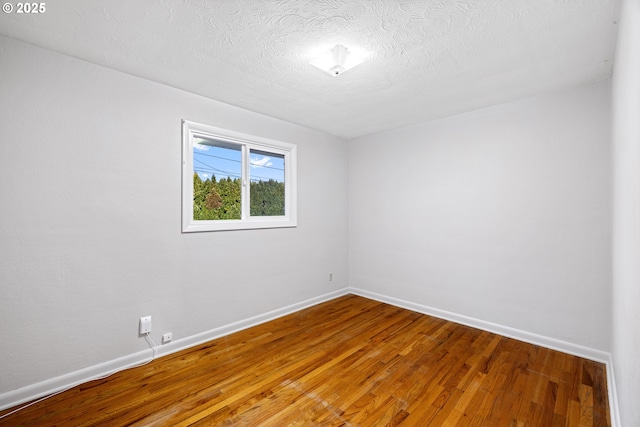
[191, 130]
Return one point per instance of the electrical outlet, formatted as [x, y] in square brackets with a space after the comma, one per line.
[331, 277]
[167, 337]
[145, 325]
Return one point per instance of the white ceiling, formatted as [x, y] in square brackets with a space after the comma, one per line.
[424, 59]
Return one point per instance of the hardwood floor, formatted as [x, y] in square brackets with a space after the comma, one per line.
[347, 362]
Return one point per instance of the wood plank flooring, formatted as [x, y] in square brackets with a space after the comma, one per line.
[347, 362]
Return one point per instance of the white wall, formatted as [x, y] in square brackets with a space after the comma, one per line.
[626, 214]
[501, 215]
[90, 231]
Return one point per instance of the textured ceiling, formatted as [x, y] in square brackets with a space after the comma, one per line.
[424, 58]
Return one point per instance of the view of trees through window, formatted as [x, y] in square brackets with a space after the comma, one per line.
[217, 181]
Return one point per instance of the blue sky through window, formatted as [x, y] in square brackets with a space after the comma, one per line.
[222, 160]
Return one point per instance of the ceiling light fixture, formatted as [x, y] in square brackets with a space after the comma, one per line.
[336, 60]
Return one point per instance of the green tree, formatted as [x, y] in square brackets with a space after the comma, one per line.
[214, 200]
[267, 198]
[219, 200]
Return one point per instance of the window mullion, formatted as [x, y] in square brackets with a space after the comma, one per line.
[246, 184]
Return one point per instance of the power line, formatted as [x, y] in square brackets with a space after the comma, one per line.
[217, 157]
[268, 167]
[237, 161]
[252, 177]
[263, 179]
[213, 171]
[217, 170]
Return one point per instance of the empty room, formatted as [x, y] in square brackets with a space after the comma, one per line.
[320, 213]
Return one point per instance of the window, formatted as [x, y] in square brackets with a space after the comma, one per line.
[234, 181]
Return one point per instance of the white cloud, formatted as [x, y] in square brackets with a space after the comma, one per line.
[198, 146]
[259, 163]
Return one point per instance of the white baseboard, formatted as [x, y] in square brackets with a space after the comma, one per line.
[552, 343]
[222, 331]
[614, 409]
[53, 385]
[63, 382]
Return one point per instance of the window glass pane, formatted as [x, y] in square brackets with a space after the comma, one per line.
[217, 173]
[267, 183]
[236, 181]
